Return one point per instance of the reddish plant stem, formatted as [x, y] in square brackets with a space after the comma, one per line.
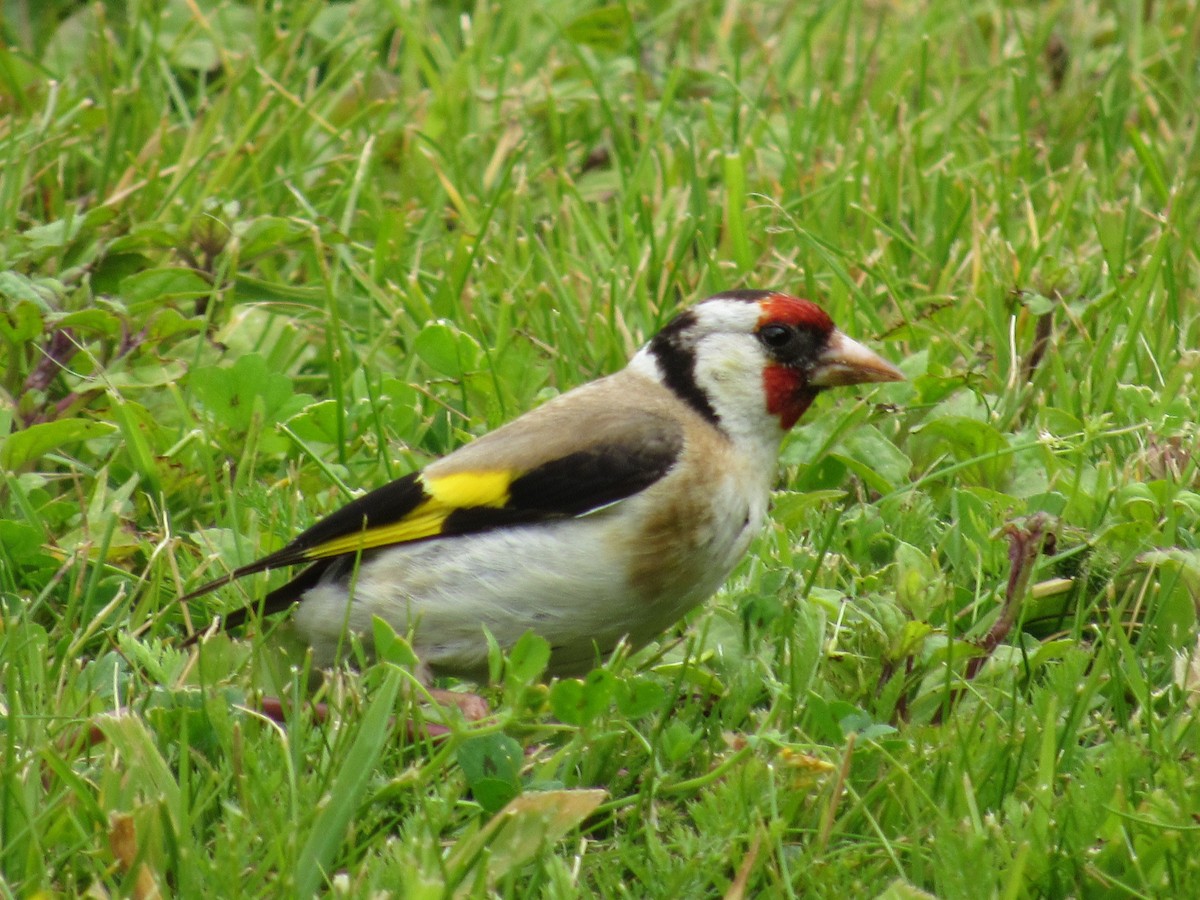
[1025, 544]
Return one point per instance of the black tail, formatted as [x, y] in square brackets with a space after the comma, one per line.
[276, 601]
[288, 556]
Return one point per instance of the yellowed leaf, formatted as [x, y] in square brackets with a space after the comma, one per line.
[517, 832]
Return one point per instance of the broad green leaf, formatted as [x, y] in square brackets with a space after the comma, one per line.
[447, 350]
[97, 320]
[169, 322]
[391, 647]
[158, 285]
[113, 268]
[880, 462]
[405, 407]
[23, 545]
[637, 696]
[22, 448]
[52, 235]
[148, 372]
[492, 765]
[578, 702]
[317, 422]
[528, 658]
[268, 234]
[20, 321]
[229, 393]
[975, 442]
[15, 288]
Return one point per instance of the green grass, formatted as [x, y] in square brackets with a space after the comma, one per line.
[259, 256]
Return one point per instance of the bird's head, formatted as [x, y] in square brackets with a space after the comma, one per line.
[753, 361]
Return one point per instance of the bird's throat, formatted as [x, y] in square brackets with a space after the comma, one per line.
[788, 396]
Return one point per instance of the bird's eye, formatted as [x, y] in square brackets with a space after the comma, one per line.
[776, 336]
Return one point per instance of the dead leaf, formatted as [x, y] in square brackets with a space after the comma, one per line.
[516, 833]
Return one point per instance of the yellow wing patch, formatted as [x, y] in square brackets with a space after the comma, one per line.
[464, 489]
[445, 495]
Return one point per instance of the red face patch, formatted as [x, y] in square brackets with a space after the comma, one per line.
[794, 311]
[788, 396]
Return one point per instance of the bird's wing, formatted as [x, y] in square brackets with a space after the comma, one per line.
[565, 472]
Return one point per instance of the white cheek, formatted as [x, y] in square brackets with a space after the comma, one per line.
[730, 371]
[730, 362]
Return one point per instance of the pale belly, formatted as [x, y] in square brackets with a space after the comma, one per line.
[583, 584]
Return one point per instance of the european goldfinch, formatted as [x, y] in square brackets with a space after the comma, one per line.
[605, 514]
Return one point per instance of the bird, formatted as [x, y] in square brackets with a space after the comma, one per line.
[600, 517]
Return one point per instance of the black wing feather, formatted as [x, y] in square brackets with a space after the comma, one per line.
[572, 485]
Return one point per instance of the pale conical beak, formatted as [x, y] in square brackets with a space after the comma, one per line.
[846, 361]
